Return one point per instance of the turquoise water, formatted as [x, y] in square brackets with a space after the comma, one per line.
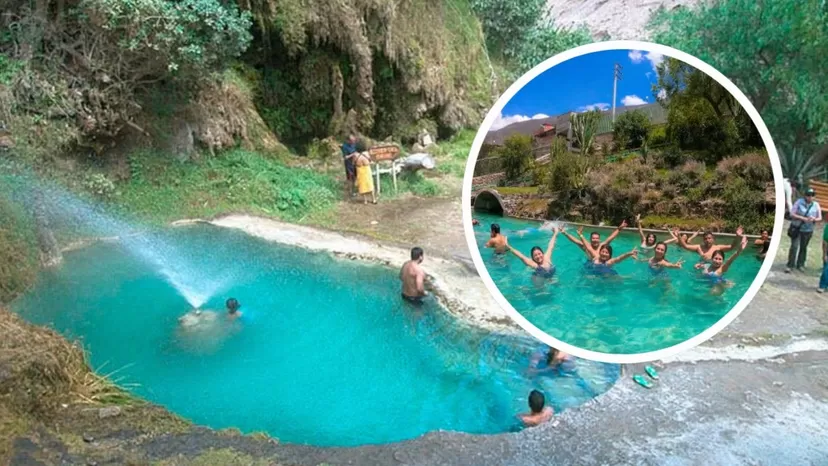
[632, 313]
[325, 352]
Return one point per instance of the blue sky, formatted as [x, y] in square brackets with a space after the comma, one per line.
[584, 83]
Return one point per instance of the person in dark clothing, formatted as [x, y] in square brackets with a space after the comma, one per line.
[349, 152]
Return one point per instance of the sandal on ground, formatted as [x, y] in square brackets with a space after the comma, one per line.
[640, 380]
[651, 372]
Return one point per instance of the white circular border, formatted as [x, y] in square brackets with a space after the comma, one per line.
[766, 139]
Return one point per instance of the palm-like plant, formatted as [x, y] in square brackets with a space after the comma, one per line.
[797, 165]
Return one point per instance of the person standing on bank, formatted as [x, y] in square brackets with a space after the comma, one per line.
[349, 152]
[805, 214]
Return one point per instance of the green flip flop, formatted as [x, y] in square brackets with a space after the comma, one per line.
[651, 372]
[640, 380]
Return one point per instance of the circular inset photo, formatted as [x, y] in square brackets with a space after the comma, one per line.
[620, 201]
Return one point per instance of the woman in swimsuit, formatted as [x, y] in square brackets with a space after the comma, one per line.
[649, 241]
[762, 244]
[602, 265]
[718, 267]
[540, 262]
[659, 262]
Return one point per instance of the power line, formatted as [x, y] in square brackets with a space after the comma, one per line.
[616, 75]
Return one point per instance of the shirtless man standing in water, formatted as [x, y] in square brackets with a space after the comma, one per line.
[497, 241]
[708, 246]
[413, 278]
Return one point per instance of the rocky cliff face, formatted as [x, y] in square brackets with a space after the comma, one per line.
[610, 19]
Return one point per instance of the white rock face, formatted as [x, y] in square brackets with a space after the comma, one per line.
[615, 19]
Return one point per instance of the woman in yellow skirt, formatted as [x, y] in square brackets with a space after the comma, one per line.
[364, 181]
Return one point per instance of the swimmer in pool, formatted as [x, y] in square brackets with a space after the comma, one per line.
[412, 277]
[475, 222]
[649, 241]
[594, 244]
[659, 262]
[718, 267]
[540, 262]
[497, 241]
[708, 246]
[762, 244]
[539, 413]
[602, 265]
[554, 359]
[233, 308]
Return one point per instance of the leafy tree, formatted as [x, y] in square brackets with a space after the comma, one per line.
[506, 22]
[516, 154]
[584, 126]
[543, 42]
[773, 50]
[632, 127]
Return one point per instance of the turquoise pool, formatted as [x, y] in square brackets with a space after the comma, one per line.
[325, 353]
[634, 314]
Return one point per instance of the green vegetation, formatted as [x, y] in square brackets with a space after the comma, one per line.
[162, 190]
[18, 251]
[584, 126]
[631, 129]
[516, 156]
[779, 64]
[519, 190]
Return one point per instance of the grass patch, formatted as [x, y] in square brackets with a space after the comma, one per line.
[451, 156]
[162, 189]
[518, 190]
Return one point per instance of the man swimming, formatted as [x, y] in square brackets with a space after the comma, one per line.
[762, 244]
[233, 308]
[497, 241]
[594, 244]
[541, 262]
[553, 359]
[538, 412]
[708, 246]
[413, 278]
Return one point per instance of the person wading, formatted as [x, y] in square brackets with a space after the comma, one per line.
[413, 278]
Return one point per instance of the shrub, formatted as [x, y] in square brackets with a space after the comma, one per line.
[631, 127]
[516, 155]
[754, 168]
[657, 135]
[673, 157]
[743, 205]
[99, 185]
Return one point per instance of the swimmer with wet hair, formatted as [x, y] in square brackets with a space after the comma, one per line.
[659, 260]
[233, 308]
[708, 246]
[497, 240]
[650, 240]
[602, 265]
[539, 413]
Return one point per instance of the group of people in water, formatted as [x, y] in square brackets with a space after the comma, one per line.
[713, 258]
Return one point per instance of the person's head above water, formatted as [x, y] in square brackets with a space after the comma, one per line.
[595, 239]
[537, 255]
[651, 239]
[495, 229]
[417, 254]
[708, 238]
[605, 253]
[660, 250]
[536, 401]
[765, 234]
[718, 258]
[232, 305]
[551, 354]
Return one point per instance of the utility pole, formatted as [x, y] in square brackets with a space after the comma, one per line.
[616, 76]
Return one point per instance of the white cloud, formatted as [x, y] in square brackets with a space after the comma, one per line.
[632, 100]
[503, 121]
[596, 106]
[637, 56]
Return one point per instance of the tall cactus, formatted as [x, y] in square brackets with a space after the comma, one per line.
[584, 126]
